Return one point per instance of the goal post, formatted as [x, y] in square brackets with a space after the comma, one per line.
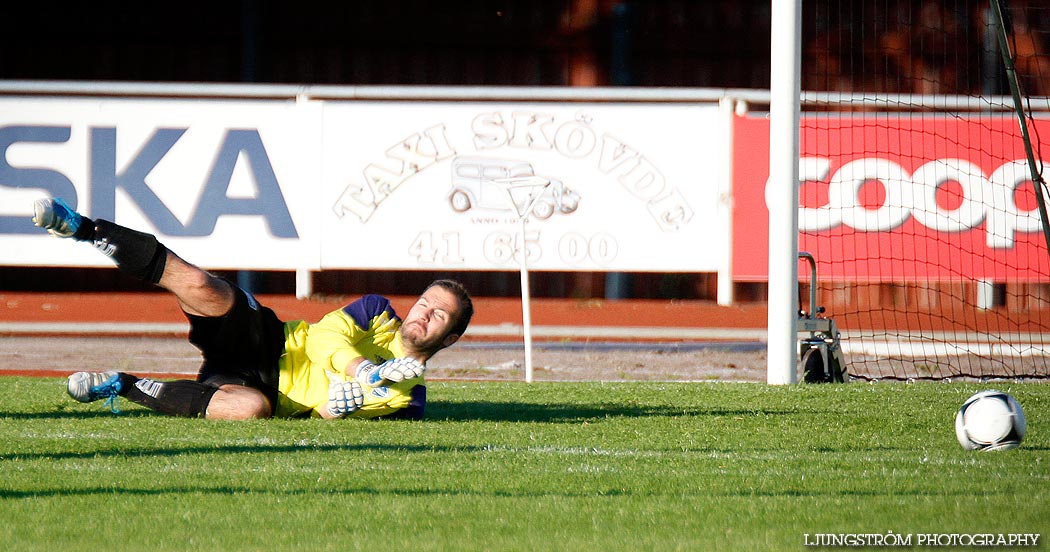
[782, 191]
[920, 192]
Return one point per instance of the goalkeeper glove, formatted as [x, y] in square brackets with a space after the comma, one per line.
[394, 370]
[344, 397]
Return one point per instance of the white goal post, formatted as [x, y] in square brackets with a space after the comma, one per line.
[918, 192]
[782, 191]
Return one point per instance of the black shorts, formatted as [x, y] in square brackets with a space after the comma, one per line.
[242, 347]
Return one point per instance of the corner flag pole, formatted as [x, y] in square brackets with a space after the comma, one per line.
[522, 250]
[526, 299]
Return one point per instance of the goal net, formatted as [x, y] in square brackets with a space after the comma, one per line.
[917, 196]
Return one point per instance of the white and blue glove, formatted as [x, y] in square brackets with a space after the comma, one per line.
[392, 371]
[344, 397]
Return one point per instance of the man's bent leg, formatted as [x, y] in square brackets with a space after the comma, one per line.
[238, 402]
[188, 399]
[199, 293]
[183, 398]
[136, 253]
[140, 255]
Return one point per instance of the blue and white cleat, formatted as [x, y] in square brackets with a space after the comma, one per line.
[56, 217]
[93, 386]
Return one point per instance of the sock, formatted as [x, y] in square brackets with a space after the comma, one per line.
[136, 253]
[185, 398]
[86, 232]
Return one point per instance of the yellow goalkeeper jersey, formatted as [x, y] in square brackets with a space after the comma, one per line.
[315, 354]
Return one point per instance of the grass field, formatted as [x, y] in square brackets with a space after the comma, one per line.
[512, 466]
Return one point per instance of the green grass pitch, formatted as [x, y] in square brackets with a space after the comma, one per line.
[514, 466]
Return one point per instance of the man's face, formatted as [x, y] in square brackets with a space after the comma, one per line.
[429, 321]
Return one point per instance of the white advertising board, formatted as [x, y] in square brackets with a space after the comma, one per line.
[309, 184]
[434, 185]
[227, 184]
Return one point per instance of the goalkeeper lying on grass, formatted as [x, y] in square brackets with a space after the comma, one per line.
[361, 361]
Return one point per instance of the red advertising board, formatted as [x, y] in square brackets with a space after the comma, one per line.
[898, 197]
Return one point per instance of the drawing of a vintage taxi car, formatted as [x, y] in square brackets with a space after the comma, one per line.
[507, 185]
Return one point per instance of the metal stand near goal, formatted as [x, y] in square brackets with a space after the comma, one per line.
[820, 353]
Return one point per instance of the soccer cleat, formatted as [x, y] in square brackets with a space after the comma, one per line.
[56, 217]
[92, 386]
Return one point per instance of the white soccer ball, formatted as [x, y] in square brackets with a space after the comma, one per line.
[990, 420]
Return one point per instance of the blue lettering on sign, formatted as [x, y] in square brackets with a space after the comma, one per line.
[268, 201]
[55, 183]
[105, 180]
